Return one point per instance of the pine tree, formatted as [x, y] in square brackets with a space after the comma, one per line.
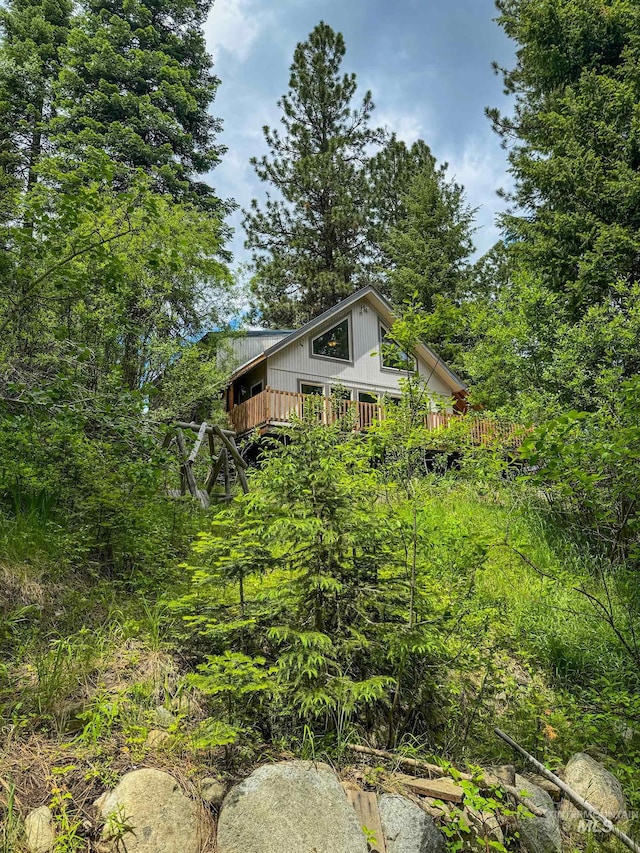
[576, 161]
[427, 253]
[430, 245]
[310, 243]
[137, 83]
[391, 172]
[32, 33]
[567, 321]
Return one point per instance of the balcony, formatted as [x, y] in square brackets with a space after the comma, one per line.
[271, 409]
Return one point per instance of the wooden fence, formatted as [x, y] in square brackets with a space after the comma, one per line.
[277, 408]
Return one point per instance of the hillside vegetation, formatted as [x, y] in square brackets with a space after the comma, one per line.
[396, 588]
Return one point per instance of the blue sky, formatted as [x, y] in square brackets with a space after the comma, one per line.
[427, 63]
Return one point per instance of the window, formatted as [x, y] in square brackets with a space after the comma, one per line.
[366, 397]
[339, 392]
[308, 388]
[256, 389]
[393, 358]
[334, 343]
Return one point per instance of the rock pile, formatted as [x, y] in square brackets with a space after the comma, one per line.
[301, 806]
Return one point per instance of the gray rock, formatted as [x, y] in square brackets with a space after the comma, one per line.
[39, 832]
[157, 738]
[539, 834]
[151, 802]
[212, 790]
[595, 784]
[292, 807]
[407, 829]
[163, 718]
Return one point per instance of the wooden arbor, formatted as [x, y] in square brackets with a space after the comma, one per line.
[224, 458]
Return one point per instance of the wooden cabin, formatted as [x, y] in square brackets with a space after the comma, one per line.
[339, 353]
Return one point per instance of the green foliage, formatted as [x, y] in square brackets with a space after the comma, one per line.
[310, 244]
[428, 249]
[136, 83]
[559, 331]
[588, 465]
[329, 578]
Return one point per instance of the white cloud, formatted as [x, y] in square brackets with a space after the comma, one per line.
[407, 126]
[233, 26]
[480, 168]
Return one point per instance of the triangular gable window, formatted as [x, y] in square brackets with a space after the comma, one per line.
[393, 357]
[334, 343]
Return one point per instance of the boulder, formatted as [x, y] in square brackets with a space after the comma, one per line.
[38, 829]
[406, 827]
[539, 834]
[500, 774]
[161, 818]
[595, 784]
[164, 719]
[157, 738]
[294, 806]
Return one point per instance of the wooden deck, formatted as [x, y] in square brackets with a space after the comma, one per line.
[271, 408]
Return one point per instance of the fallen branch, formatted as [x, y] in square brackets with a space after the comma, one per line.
[438, 772]
[570, 794]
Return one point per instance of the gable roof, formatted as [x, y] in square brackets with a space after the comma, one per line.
[384, 309]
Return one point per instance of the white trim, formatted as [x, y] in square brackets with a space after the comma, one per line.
[302, 382]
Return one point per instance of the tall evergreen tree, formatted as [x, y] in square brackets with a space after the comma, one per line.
[566, 320]
[32, 33]
[427, 253]
[137, 83]
[310, 243]
[430, 244]
[391, 171]
[576, 161]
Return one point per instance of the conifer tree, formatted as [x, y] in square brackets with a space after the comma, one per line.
[427, 254]
[430, 244]
[566, 322]
[576, 161]
[310, 241]
[137, 83]
[32, 33]
[391, 171]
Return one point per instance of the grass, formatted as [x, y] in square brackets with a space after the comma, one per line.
[72, 645]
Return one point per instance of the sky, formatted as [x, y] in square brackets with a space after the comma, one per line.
[426, 62]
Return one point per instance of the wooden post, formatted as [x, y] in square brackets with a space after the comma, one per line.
[214, 472]
[231, 447]
[227, 479]
[196, 446]
[267, 415]
[186, 464]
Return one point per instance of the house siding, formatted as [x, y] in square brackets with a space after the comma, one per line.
[285, 369]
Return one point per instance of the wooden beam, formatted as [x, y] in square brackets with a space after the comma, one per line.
[214, 472]
[231, 447]
[365, 804]
[227, 479]
[186, 465]
[199, 439]
[194, 427]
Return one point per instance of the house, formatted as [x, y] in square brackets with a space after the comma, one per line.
[339, 353]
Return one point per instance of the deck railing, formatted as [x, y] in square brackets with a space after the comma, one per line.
[276, 408]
